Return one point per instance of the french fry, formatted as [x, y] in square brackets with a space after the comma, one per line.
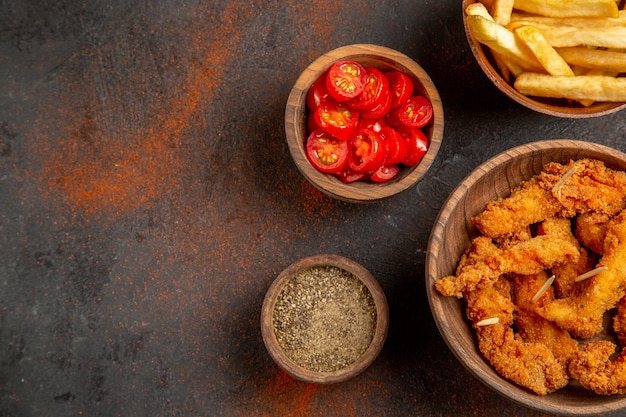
[598, 59]
[587, 71]
[478, 9]
[519, 19]
[545, 53]
[507, 66]
[502, 41]
[582, 87]
[569, 8]
[501, 11]
[570, 49]
[568, 36]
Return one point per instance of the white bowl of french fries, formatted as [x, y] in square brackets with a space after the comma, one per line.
[561, 58]
[521, 289]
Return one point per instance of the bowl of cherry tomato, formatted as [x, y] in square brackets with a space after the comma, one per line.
[363, 123]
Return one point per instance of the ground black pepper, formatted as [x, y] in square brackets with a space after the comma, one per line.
[324, 318]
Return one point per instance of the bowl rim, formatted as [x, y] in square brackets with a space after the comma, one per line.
[370, 354]
[482, 58]
[295, 110]
[440, 304]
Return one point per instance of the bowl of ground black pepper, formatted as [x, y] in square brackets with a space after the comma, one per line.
[324, 319]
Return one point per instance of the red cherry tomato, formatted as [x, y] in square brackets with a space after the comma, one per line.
[325, 152]
[416, 111]
[317, 94]
[346, 80]
[375, 124]
[396, 145]
[417, 145]
[338, 119]
[366, 151]
[378, 111]
[401, 87]
[376, 86]
[393, 119]
[385, 173]
[311, 124]
[347, 175]
[365, 123]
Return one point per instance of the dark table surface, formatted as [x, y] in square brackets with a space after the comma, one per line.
[148, 200]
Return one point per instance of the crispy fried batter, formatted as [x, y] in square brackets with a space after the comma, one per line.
[534, 328]
[619, 322]
[566, 273]
[595, 370]
[531, 365]
[503, 270]
[591, 229]
[588, 186]
[528, 203]
[591, 187]
[483, 263]
[594, 366]
[582, 315]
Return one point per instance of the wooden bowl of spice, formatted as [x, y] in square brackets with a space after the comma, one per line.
[324, 319]
[455, 231]
[395, 175]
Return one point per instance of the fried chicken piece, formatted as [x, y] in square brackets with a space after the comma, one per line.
[591, 229]
[494, 301]
[528, 203]
[530, 365]
[582, 315]
[564, 190]
[483, 263]
[534, 328]
[594, 366]
[619, 322]
[512, 240]
[595, 370]
[566, 273]
[589, 186]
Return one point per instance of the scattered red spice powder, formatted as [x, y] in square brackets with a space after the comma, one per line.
[286, 396]
[94, 168]
[94, 171]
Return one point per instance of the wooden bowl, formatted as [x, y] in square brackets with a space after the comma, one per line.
[296, 123]
[451, 236]
[552, 107]
[268, 313]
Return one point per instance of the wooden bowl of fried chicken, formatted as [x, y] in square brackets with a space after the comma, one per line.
[525, 276]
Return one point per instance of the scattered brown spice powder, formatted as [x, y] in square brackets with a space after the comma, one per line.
[324, 318]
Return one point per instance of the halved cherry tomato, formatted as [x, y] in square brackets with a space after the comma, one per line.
[366, 151]
[385, 173]
[417, 144]
[311, 124]
[401, 87]
[325, 152]
[376, 86]
[346, 80]
[396, 145]
[393, 119]
[375, 124]
[317, 94]
[347, 175]
[338, 119]
[378, 111]
[416, 111]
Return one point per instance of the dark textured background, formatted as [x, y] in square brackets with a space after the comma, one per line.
[148, 199]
